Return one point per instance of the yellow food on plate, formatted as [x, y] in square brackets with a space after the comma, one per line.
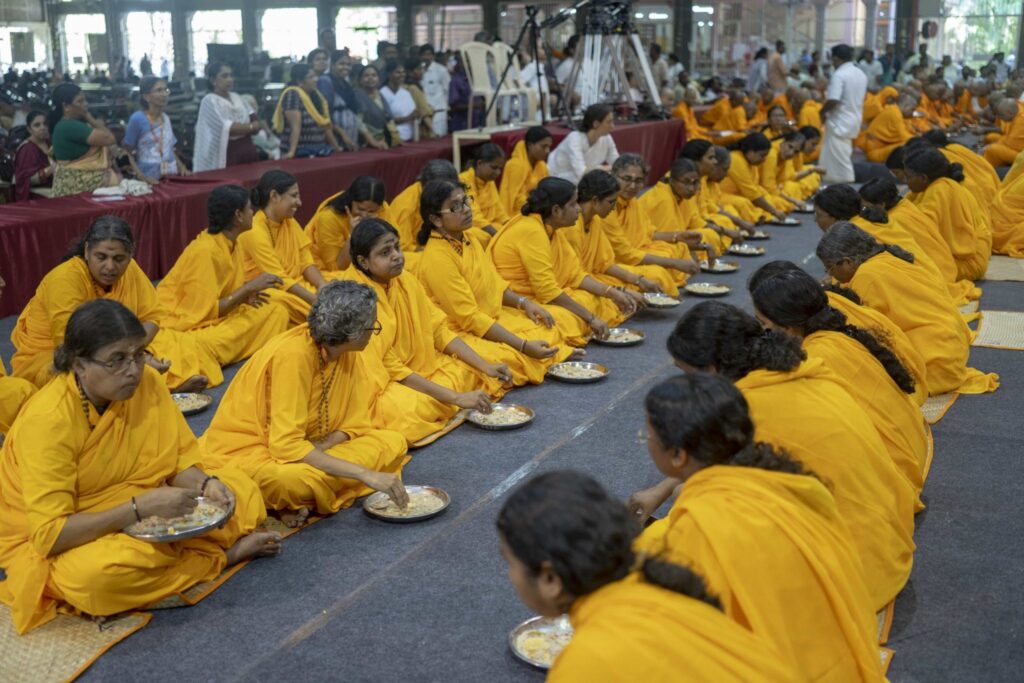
[204, 513]
[574, 371]
[500, 416]
[543, 647]
[420, 503]
[191, 401]
[660, 299]
[623, 336]
[706, 288]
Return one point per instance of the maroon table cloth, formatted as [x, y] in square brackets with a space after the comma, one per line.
[656, 141]
[34, 235]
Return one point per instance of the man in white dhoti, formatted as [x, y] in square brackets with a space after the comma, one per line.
[842, 115]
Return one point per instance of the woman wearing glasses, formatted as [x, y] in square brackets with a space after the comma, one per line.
[296, 418]
[101, 447]
[149, 138]
[462, 280]
[101, 266]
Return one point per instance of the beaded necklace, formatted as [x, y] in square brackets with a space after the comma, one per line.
[456, 244]
[85, 403]
[325, 391]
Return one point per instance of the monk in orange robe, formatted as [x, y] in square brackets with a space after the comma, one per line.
[889, 129]
[1002, 151]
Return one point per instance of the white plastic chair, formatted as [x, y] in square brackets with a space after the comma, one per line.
[474, 61]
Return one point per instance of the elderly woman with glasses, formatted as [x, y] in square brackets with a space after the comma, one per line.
[296, 418]
[100, 266]
[99, 448]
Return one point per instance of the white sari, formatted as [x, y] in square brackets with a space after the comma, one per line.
[213, 129]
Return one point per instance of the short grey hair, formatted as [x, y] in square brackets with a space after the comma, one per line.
[342, 311]
[630, 159]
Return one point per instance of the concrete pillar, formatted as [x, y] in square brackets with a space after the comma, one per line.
[182, 38]
[326, 11]
[905, 20]
[115, 38]
[404, 19]
[251, 26]
[491, 19]
[819, 26]
[870, 23]
[682, 32]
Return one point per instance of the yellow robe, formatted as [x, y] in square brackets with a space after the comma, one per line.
[744, 181]
[469, 290]
[926, 233]
[275, 409]
[328, 232]
[189, 296]
[488, 208]
[1007, 212]
[405, 217]
[716, 111]
[669, 212]
[770, 177]
[810, 115]
[630, 229]
[891, 335]
[774, 548]
[1015, 172]
[413, 338]
[891, 232]
[597, 255]
[732, 125]
[541, 264]
[619, 637]
[40, 327]
[810, 415]
[1002, 151]
[887, 131]
[281, 249]
[14, 391]
[963, 224]
[980, 178]
[904, 292]
[518, 178]
[692, 129]
[895, 415]
[56, 462]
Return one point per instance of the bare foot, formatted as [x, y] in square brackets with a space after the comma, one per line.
[294, 518]
[578, 354]
[256, 544]
[192, 384]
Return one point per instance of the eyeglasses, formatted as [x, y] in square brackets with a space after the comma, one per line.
[119, 365]
[465, 204]
[630, 180]
[376, 329]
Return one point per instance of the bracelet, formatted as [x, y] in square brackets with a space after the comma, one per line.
[135, 509]
[608, 289]
[521, 302]
[522, 347]
[202, 489]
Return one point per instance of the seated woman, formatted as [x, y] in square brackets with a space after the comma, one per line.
[422, 372]
[100, 266]
[887, 279]
[100, 447]
[33, 163]
[597, 194]
[808, 174]
[963, 224]
[80, 144]
[882, 193]
[405, 210]
[1007, 213]
[635, 618]
[799, 405]
[634, 236]
[525, 168]
[278, 246]
[713, 169]
[206, 293]
[794, 302]
[149, 137]
[980, 178]
[461, 279]
[672, 203]
[744, 179]
[376, 123]
[302, 118]
[331, 226]
[480, 180]
[535, 257]
[783, 169]
[762, 528]
[14, 391]
[588, 148]
[225, 125]
[812, 147]
[296, 417]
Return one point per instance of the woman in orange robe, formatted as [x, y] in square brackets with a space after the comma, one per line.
[526, 167]
[761, 527]
[887, 279]
[980, 178]
[14, 391]
[709, 194]
[101, 447]
[635, 618]
[1007, 211]
[744, 179]
[889, 130]
[331, 226]
[480, 179]
[800, 406]
[278, 246]
[935, 186]
[793, 301]
[533, 254]
[405, 210]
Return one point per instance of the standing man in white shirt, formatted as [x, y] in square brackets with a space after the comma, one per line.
[871, 67]
[436, 80]
[842, 115]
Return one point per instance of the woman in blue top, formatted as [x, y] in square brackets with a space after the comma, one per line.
[148, 138]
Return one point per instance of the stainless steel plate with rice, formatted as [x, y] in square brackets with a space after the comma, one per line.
[206, 516]
[660, 300]
[707, 289]
[719, 266]
[622, 336]
[578, 372]
[539, 641]
[503, 416]
[424, 502]
[788, 222]
[746, 250]
[190, 404]
[759, 235]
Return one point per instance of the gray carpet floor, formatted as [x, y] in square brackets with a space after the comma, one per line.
[355, 599]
